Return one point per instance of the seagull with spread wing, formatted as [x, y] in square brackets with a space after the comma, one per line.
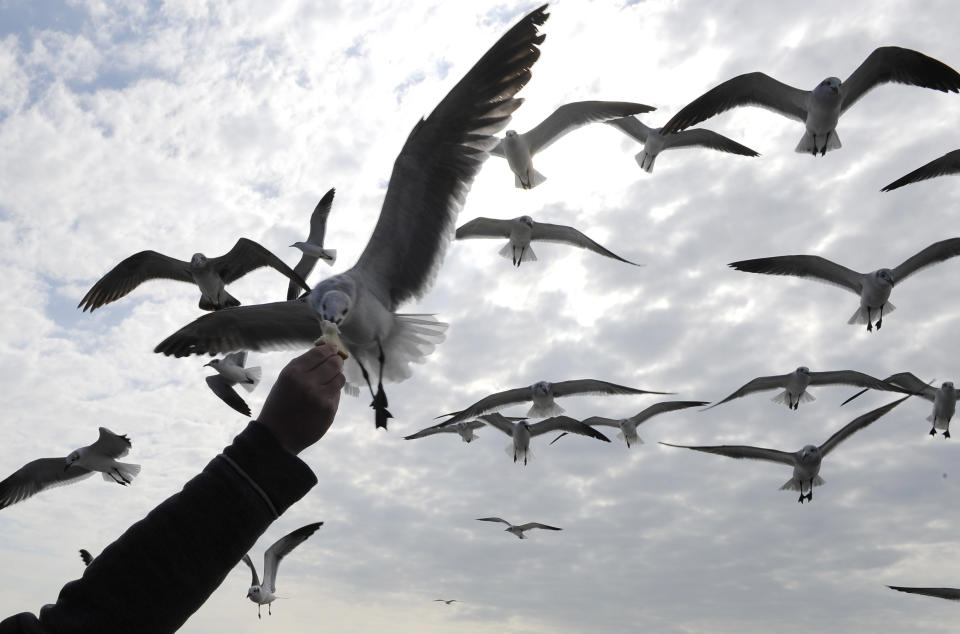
[265, 593]
[519, 529]
[520, 431]
[819, 109]
[312, 249]
[944, 399]
[806, 462]
[230, 372]
[210, 274]
[628, 426]
[519, 149]
[949, 163]
[428, 186]
[873, 288]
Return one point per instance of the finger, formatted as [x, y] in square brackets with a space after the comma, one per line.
[314, 357]
[325, 371]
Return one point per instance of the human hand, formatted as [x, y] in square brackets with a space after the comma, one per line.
[303, 401]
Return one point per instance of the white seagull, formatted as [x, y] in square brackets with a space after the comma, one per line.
[523, 230]
[654, 143]
[519, 529]
[806, 462]
[949, 163]
[264, 593]
[873, 288]
[465, 428]
[952, 594]
[520, 431]
[628, 426]
[819, 109]
[944, 399]
[795, 385]
[230, 372]
[44, 473]
[313, 249]
[519, 149]
[210, 274]
[427, 189]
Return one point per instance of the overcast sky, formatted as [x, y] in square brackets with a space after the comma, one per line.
[181, 126]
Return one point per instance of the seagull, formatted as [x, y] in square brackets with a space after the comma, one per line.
[230, 372]
[949, 163]
[519, 149]
[264, 593]
[210, 274]
[519, 529]
[944, 399]
[521, 432]
[628, 426]
[953, 594]
[806, 462]
[521, 231]
[447, 601]
[654, 143]
[795, 385]
[542, 393]
[819, 109]
[427, 189]
[86, 557]
[44, 473]
[464, 428]
[873, 288]
[313, 248]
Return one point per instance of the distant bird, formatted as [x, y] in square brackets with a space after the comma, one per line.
[949, 163]
[519, 529]
[819, 109]
[447, 601]
[464, 428]
[44, 473]
[806, 462]
[944, 399]
[427, 189]
[86, 557]
[795, 385]
[520, 431]
[519, 149]
[873, 288]
[542, 393]
[210, 274]
[654, 143]
[523, 230]
[313, 248]
[264, 593]
[953, 594]
[628, 426]
[230, 372]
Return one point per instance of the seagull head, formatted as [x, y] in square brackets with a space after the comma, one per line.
[254, 593]
[526, 220]
[829, 86]
[72, 458]
[803, 370]
[884, 275]
[334, 306]
[810, 453]
[198, 260]
[214, 363]
[947, 385]
[511, 133]
[541, 389]
[298, 245]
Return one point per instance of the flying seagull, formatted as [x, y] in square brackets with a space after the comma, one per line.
[949, 163]
[519, 149]
[210, 274]
[944, 399]
[873, 288]
[230, 372]
[523, 230]
[519, 529]
[654, 143]
[542, 393]
[819, 109]
[628, 426]
[45, 473]
[313, 248]
[464, 428]
[795, 385]
[806, 462]
[86, 557]
[427, 189]
[520, 431]
[953, 594]
[264, 593]
[447, 601]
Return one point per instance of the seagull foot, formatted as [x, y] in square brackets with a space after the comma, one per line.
[810, 496]
[801, 498]
[879, 322]
[933, 432]
[946, 433]
[869, 327]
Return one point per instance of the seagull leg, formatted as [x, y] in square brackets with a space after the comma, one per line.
[379, 403]
[946, 433]
[869, 318]
[880, 321]
[258, 611]
[269, 611]
[933, 431]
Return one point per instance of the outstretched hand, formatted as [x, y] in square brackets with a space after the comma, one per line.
[303, 401]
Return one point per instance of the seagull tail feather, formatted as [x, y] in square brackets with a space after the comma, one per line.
[808, 143]
[253, 374]
[646, 160]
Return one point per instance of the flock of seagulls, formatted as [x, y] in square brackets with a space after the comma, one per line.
[428, 186]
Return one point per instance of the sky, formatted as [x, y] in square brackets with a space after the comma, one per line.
[182, 126]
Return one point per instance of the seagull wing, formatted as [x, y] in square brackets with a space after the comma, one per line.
[246, 256]
[567, 424]
[529, 525]
[238, 359]
[303, 269]
[130, 273]
[743, 451]
[223, 389]
[906, 380]
[493, 519]
[36, 476]
[751, 89]
[259, 327]
[699, 137]
[811, 267]
[255, 580]
[573, 115]
[933, 254]
[484, 228]
[952, 594]
[437, 165]
[491, 403]
[949, 163]
[280, 549]
[86, 556]
[851, 377]
[899, 65]
[546, 232]
[430, 431]
[111, 445]
[499, 421]
[596, 421]
[318, 230]
[857, 424]
[658, 408]
[593, 386]
[758, 384]
[632, 127]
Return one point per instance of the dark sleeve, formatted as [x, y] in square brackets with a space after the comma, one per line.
[163, 568]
